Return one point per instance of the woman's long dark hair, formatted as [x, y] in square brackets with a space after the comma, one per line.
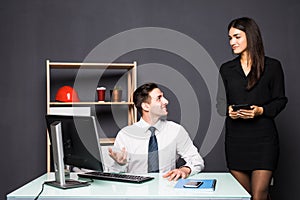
[255, 47]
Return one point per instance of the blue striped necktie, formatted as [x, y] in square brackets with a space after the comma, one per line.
[153, 152]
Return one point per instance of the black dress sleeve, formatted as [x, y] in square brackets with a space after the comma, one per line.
[221, 95]
[277, 88]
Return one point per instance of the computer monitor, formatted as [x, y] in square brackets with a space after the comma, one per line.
[75, 142]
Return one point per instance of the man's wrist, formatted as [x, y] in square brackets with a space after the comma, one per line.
[186, 169]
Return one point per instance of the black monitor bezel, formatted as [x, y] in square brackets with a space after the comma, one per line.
[81, 143]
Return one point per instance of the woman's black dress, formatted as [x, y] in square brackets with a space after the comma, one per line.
[253, 143]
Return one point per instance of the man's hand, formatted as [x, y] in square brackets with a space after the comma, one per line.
[175, 174]
[119, 157]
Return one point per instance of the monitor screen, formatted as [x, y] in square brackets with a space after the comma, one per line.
[80, 140]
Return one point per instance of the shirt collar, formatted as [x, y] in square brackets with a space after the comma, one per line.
[143, 124]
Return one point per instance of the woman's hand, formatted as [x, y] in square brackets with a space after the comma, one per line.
[233, 114]
[245, 114]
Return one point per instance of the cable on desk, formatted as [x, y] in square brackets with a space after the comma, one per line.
[40, 192]
[91, 180]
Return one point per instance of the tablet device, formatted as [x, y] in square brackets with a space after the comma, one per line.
[241, 106]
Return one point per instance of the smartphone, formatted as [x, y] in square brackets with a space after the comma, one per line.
[193, 184]
[241, 106]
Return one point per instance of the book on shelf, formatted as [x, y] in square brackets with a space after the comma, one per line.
[80, 111]
[208, 185]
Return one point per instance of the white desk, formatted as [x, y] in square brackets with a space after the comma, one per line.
[159, 188]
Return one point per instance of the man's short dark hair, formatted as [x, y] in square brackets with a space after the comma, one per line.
[141, 95]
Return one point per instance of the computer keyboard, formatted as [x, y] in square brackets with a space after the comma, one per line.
[115, 177]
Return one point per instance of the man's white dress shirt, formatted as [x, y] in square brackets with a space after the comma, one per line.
[173, 141]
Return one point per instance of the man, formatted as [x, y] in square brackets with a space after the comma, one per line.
[170, 139]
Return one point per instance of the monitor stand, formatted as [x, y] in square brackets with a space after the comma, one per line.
[69, 183]
[58, 158]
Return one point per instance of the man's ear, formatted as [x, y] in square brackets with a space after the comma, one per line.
[145, 106]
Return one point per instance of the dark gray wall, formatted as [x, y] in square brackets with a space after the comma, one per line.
[33, 31]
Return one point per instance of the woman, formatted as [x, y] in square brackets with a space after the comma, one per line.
[251, 141]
